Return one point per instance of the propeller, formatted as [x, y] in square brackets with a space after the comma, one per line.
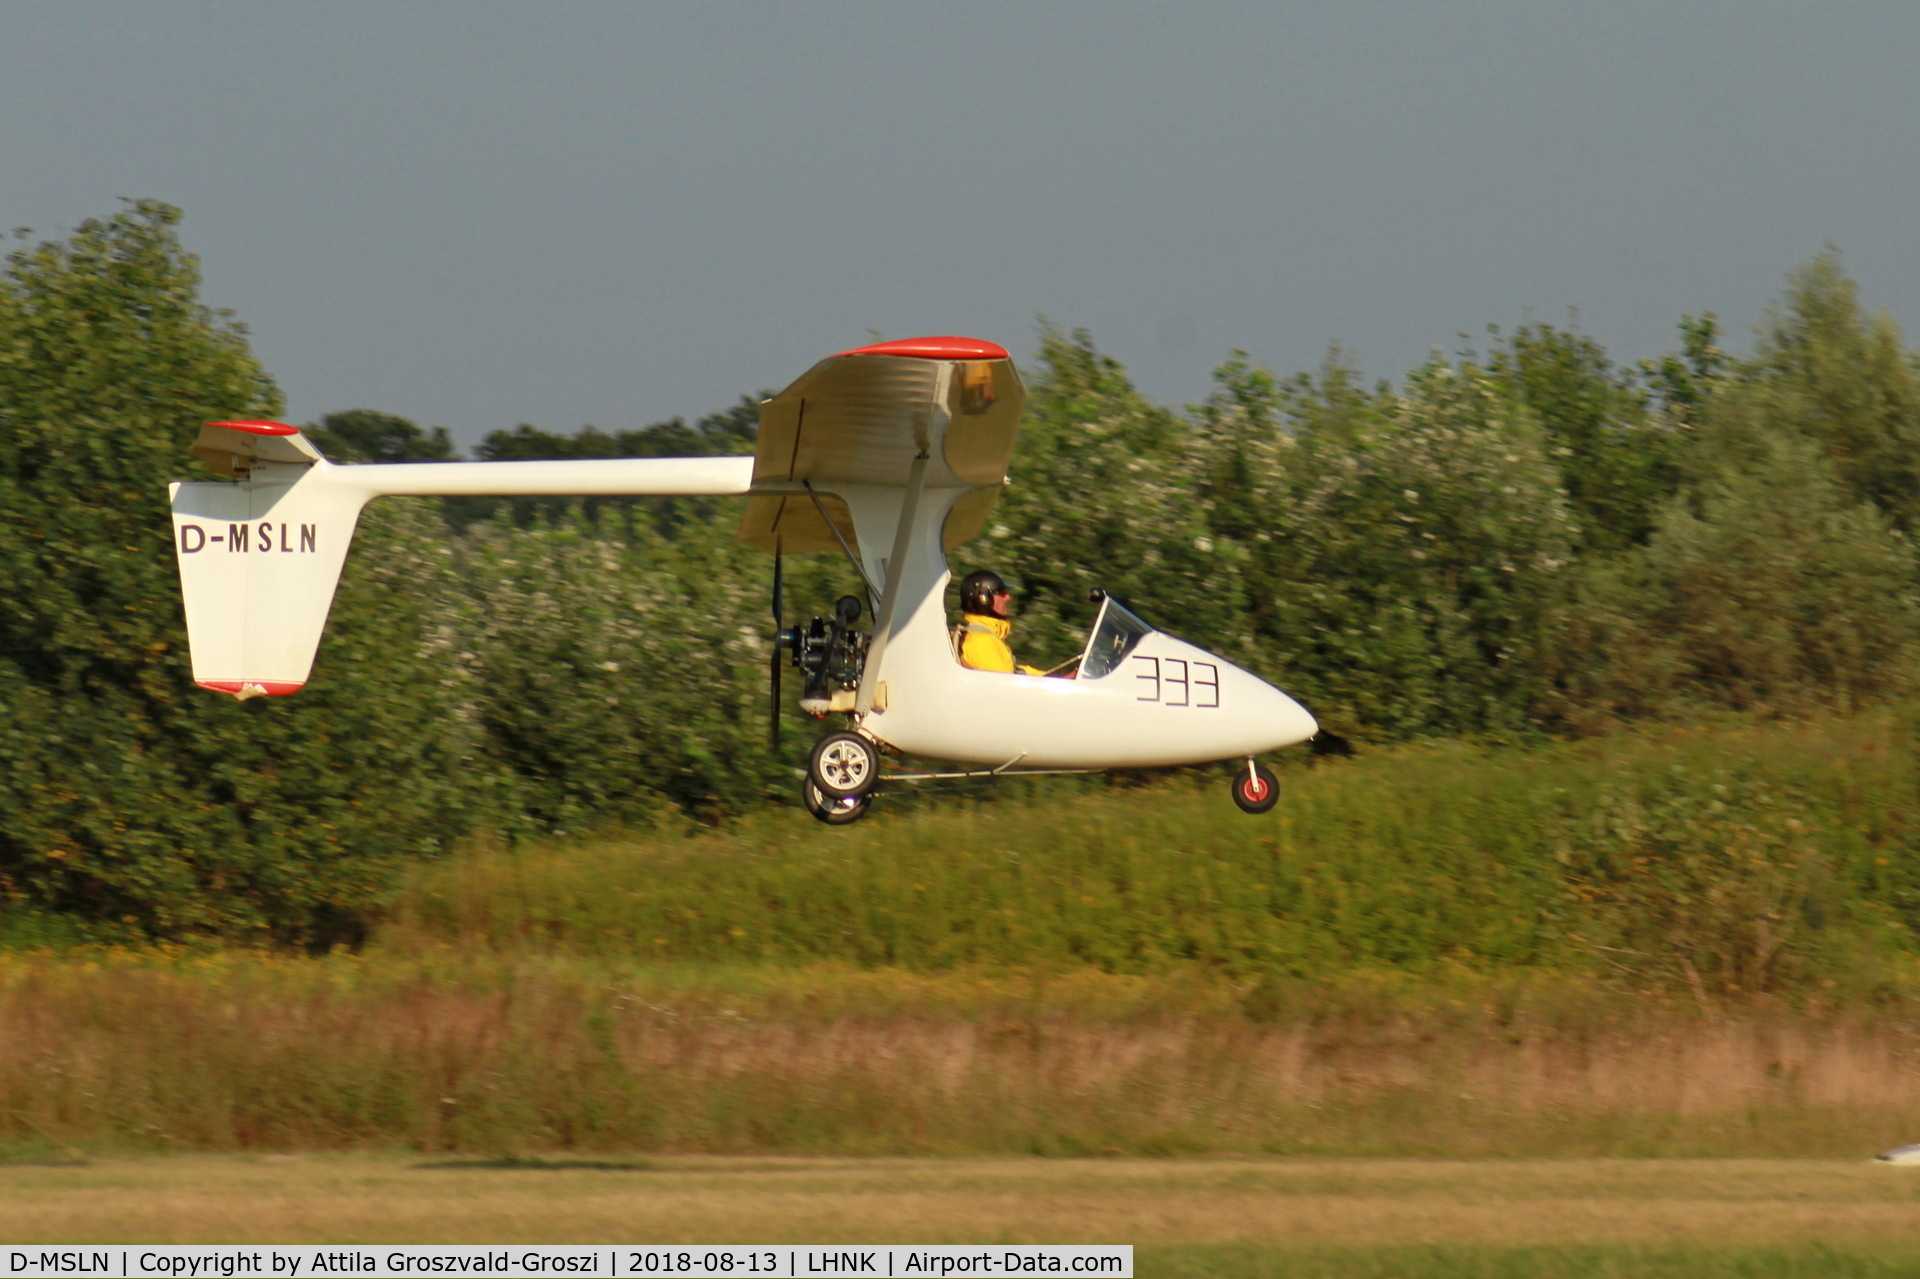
[779, 645]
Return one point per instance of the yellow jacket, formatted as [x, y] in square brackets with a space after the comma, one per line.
[983, 645]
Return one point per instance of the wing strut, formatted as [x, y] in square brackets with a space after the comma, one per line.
[873, 593]
[896, 570]
[902, 544]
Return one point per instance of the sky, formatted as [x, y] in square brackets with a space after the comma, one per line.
[479, 214]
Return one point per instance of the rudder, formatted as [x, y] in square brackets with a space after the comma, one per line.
[259, 562]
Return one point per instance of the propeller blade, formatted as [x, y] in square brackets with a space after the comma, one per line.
[773, 667]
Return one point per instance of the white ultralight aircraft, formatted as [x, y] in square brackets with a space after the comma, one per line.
[891, 454]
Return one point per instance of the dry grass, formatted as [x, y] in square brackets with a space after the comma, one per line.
[1291, 1202]
[240, 1053]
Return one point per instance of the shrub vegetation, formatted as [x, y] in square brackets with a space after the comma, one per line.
[1508, 546]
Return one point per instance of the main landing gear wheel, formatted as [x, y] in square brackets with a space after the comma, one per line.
[834, 812]
[1255, 788]
[844, 766]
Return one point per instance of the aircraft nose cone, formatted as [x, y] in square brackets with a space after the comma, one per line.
[1265, 718]
[1228, 711]
[1290, 720]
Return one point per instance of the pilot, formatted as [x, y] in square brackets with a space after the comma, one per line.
[985, 601]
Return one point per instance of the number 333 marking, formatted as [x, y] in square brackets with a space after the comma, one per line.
[1174, 681]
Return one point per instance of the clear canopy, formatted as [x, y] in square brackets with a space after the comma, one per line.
[1114, 635]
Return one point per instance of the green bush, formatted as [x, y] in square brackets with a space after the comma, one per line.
[128, 795]
[1729, 863]
[1539, 540]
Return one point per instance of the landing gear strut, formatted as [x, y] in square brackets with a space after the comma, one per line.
[1255, 788]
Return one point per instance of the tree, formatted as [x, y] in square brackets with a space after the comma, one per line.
[1260, 442]
[1825, 368]
[1616, 462]
[365, 435]
[715, 435]
[1769, 589]
[622, 677]
[126, 794]
[1105, 494]
[730, 432]
[1681, 381]
[1418, 550]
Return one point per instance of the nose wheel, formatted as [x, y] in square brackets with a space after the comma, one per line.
[844, 766]
[1255, 788]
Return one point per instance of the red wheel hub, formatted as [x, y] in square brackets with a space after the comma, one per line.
[1254, 789]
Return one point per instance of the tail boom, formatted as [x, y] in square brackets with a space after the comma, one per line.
[260, 558]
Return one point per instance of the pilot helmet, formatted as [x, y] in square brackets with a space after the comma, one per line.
[977, 590]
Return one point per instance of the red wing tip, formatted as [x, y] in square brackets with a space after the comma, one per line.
[259, 428]
[246, 688]
[947, 348]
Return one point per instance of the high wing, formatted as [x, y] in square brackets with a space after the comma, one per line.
[861, 418]
[894, 453]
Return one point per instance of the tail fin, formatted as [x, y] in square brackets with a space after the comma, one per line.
[260, 559]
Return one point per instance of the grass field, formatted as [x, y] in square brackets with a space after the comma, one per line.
[1386, 1031]
[448, 1054]
[1685, 943]
[1725, 861]
[1222, 1217]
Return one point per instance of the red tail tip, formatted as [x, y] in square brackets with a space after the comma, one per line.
[259, 428]
[247, 688]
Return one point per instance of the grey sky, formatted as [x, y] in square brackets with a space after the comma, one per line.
[478, 214]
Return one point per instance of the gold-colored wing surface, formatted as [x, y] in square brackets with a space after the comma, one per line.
[861, 417]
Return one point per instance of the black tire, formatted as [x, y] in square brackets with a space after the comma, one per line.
[834, 812]
[844, 766]
[1257, 793]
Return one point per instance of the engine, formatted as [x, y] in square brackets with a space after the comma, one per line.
[830, 655]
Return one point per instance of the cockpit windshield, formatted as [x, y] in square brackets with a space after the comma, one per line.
[1114, 635]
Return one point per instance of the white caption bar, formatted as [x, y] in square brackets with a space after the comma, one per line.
[683, 1261]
